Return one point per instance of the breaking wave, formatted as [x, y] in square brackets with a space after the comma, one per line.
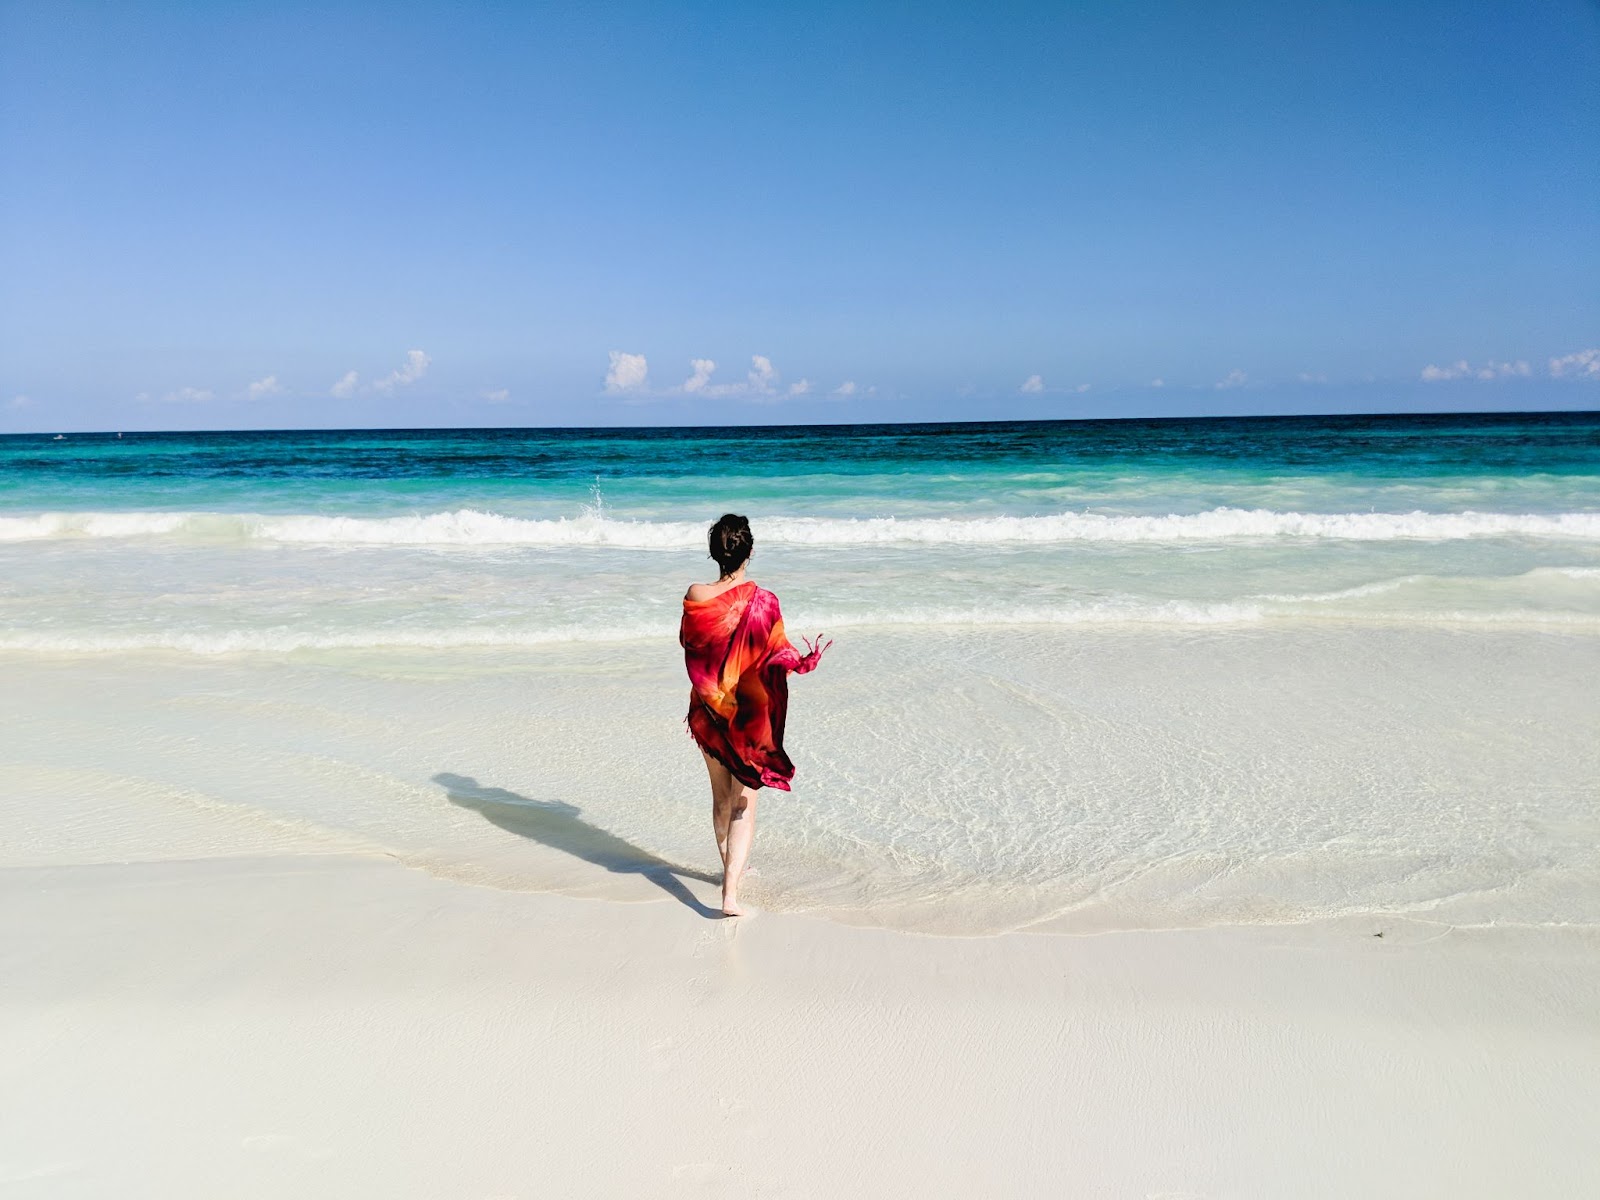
[470, 527]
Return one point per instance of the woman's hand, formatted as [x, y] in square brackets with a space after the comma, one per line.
[813, 653]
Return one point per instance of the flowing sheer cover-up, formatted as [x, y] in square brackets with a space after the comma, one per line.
[739, 662]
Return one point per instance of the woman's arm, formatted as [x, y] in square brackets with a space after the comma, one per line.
[790, 659]
[780, 652]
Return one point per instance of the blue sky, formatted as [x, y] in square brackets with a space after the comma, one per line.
[250, 215]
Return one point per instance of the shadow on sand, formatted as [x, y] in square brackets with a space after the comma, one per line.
[559, 825]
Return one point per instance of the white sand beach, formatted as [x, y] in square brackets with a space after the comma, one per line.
[341, 1026]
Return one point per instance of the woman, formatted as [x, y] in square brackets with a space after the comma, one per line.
[739, 662]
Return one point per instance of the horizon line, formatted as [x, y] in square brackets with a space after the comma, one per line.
[1411, 413]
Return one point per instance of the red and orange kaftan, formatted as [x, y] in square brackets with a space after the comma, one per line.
[739, 662]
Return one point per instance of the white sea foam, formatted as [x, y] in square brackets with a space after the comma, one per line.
[1173, 614]
[469, 527]
[96, 525]
[1350, 593]
[1529, 582]
[288, 640]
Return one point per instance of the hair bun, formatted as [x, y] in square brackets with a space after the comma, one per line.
[731, 542]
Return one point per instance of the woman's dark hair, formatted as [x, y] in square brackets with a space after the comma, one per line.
[731, 542]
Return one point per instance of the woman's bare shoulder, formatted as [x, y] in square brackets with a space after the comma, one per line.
[709, 591]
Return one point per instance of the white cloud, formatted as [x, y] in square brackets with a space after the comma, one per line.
[628, 372]
[760, 382]
[1504, 370]
[1234, 378]
[1585, 364]
[346, 385]
[799, 387]
[1032, 384]
[1158, 382]
[187, 395]
[264, 387]
[1309, 377]
[496, 395]
[1462, 369]
[761, 375]
[413, 369]
[1081, 388]
[847, 388]
[702, 368]
[21, 402]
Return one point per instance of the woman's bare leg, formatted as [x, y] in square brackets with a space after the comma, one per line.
[723, 789]
[741, 834]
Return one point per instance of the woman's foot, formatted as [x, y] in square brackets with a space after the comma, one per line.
[731, 906]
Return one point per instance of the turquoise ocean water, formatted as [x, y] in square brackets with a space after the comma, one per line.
[1087, 674]
[513, 536]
